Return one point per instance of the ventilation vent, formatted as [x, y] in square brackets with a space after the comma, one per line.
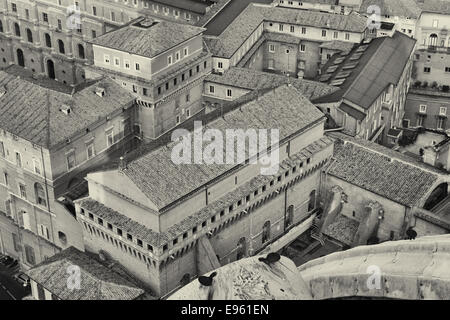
[332, 69]
[350, 65]
[355, 56]
[337, 82]
[2, 91]
[65, 109]
[100, 91]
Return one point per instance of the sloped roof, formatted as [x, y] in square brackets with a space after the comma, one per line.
[226, 44]
[97, 281]
[400, 8]
[377, 171]
[380, 65]
[158, 37]
[30, 107]
[338, 45]
[352, 111]
[434, 6]
[190, 5]
[342, 229]
[163, 181]
[255, 80]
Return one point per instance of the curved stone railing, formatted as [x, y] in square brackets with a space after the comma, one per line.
[408, 269]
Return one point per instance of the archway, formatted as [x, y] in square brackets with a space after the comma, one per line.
[433, 40]
[51, 69]
[20, 58]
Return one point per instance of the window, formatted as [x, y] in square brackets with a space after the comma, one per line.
[117, 62]
[422, 108]
[302, 48]
[45, 17]
[188, 113]
[81, 51]
[37, 166]
[427, 69]
[229, 93]
[188, 97]
[177, 56]
[324, 33]
[347, 36]
[266, 232]
[137, 66]
[43, 231]
[211, 89]
[14, 7]
[18, 159]
[178, 119]
[109, 138]
[94, 33]
[420, 121]
[70, 160]
[280, 27]
[22, 191]
[113, 16]
[312, 200]
[220, 65]
[59, 24]
[440, 123]
[29, 35]
[48, 41]
[169, 60]
[292, 29]
[90, 150]
[335, 34]
[29, 255]
[106, 58]
[94, 11]
[40, 194]
[5, 177]
[62, 237]
[447, 69]
[2, 149]
[271, 48]
[17, 29]
[186, 51]
[303, 30]
[61, 46]
[144, 91]
[443, 111]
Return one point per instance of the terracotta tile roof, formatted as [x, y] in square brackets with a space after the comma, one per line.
[163, 181]
[379, 65]
[148, 41]
[226, 44]
[378, 170]
[156, 239]
[342, 229]
[97, 281]
[31, 109]
[256, 80]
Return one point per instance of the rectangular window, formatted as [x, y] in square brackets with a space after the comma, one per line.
[117, 62]
[423, 108]
[186, 51]
[59, 24]
[271, 48]
[188, 97]
[443, 111]
[188, 113]
[2, 149]
[302, 48]
[211, 89]
[347, 36]
[27, 13]
[292, 29]
[220, 65]
[280, 27]
[94, 11]
[126, 63]
[5, 177]
[324, 33]
[90, 150]
[335, 34]
[137, 66]
[18, 159]
[45, 17]
[94, 34]
[43, 231]
[109, 138]
[144, 91]
[169, 60]
[22, 191]
[113, 16]
[303, 30]
[177, 56]
[70, 160]
[440, 124]
[447, 69]
[426, 69]
[37, 166]
[29, 255]
[14, 7]
[178, 119]
[229, 93]
[106, 58]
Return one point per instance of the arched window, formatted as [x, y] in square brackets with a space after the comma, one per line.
[61, 46]
[17, 29]
[433, 40]
[40, 194]
[29, 35]
[266, 232]
[81, 51]
[48, 40]
[1, 26]
[312, 200]
[62, 237]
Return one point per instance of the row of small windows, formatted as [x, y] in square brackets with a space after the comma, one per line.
[303, 31]
[182, 78]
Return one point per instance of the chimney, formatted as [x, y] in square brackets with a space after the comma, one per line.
[100, 91]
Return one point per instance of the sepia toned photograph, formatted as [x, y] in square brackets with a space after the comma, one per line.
[172, 152]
